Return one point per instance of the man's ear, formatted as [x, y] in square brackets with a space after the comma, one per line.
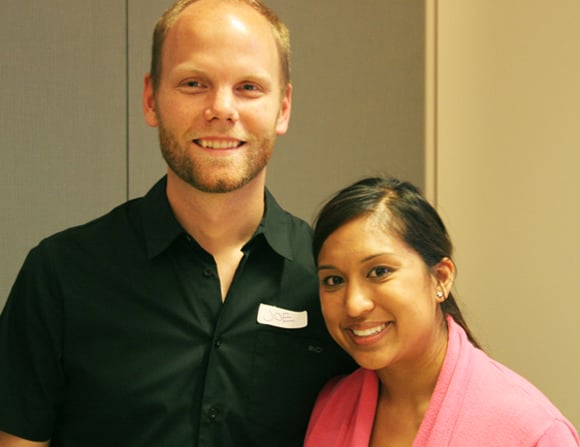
[149, 105]
[285, 109]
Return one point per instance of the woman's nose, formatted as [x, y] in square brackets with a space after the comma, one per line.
[357, 301]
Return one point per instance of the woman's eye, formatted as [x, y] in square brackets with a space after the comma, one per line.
[379, 272]
[331, 281]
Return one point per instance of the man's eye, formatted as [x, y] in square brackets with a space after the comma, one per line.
[378, 272]
[191, 84]
[249, 88]
[331, 281]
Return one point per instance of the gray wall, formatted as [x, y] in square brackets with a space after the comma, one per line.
[62, 119]
[73, 142]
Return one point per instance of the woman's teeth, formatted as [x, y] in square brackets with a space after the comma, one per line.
[370, 331]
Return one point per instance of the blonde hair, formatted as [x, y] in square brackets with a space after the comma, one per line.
[166, 21]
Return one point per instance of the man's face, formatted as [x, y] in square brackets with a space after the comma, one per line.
[220, 103]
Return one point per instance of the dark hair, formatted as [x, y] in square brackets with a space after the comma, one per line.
[403, 210]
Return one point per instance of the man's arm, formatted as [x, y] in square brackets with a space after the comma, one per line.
[7, 440]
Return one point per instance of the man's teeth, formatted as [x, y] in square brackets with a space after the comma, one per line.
[211, 144]
[370, 331]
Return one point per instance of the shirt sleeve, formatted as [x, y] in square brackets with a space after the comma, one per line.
[31, 379]
[559, 434]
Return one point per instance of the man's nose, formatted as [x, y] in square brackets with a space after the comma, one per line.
[222, 106]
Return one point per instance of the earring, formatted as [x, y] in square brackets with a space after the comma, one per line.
[440, 294]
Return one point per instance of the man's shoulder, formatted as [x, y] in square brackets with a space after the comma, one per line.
[298, 227]
[288, 234]
[117, 227]
[114, 220]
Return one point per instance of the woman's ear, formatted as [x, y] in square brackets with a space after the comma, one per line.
[444, 273]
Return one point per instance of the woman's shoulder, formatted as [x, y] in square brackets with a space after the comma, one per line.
[344, 411]
[505, 397]
[510, 389]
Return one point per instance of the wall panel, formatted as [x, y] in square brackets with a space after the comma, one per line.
[358, 74]
[62, 119]
[145, 162]
[508, 114]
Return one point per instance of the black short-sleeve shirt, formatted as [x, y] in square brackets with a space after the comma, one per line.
[115, 334]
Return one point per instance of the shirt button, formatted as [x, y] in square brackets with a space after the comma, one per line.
[218, 343]
[212, 414]
[207, 273]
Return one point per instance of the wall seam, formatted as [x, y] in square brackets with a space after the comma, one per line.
[435, 103]
[127, 106]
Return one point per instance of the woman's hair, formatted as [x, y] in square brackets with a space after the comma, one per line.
[166, 21]
[402, 209]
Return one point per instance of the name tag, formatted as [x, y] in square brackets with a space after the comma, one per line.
[278, 317]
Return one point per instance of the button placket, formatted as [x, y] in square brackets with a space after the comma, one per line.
[212, 414]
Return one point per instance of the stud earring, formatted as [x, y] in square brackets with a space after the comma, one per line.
[439, 294]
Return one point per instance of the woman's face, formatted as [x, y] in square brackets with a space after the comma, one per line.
[379, 299]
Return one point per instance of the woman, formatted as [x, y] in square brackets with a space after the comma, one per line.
[385, 271]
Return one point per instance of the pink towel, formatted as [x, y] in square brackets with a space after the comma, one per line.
[476, 402]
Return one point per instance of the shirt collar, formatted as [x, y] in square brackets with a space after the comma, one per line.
[276, 227]
[161, 227]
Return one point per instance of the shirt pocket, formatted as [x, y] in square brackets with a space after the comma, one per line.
[289, 368]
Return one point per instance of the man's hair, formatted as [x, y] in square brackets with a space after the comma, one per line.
[166, 21]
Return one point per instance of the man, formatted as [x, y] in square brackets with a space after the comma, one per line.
[190, 316]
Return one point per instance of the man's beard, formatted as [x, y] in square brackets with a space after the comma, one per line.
[202, 177]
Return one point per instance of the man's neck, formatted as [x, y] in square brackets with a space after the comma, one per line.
[217, 221]
[220, 223]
